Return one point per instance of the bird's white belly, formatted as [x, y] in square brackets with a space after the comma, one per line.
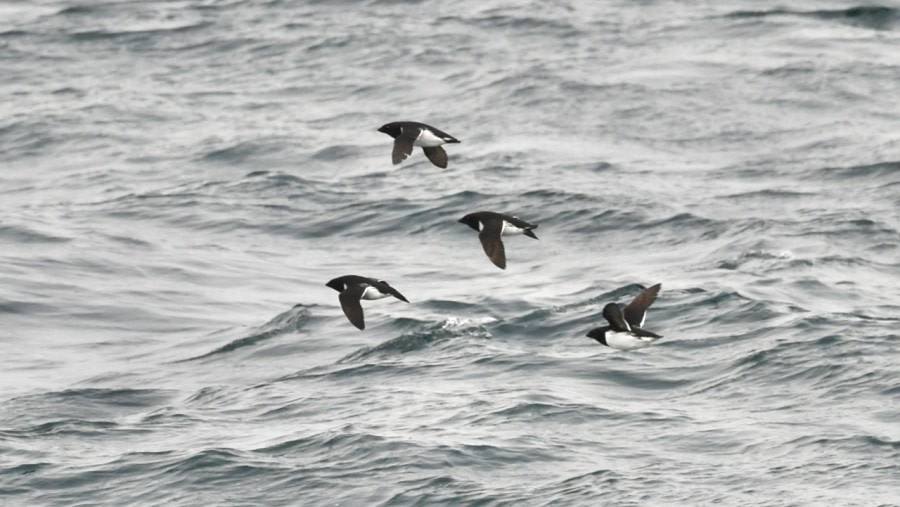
[510, 229]
[373, 293]
[625, 341]
[428, 140]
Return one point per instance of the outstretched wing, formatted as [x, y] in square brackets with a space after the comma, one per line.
[403, 144]
[645, 335]
[387, 289]
[636, 311]
[613, 315]
[436, 155]
[490, 240]
[350, 304]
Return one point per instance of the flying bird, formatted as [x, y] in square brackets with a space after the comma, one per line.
[407, 134]
[354, 288]
[491, 226]
[626, 329]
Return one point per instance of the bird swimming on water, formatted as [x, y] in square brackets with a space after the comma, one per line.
[407, 134]
[625, 330]
[491, 226]
[354, 288]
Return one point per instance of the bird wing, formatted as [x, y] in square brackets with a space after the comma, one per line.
[521, 224]
[645, 335]
[490, 240]
[613, 314]
[387, 289]
[437, 156]
[518, 222]
[443, 135]
[636, 311]
[403, 144]
[350, 304]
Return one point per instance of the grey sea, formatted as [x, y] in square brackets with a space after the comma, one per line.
[179, 180]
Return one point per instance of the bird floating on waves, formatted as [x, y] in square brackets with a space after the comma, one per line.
[625, 330]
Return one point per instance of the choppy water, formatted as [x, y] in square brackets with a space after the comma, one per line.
[179, 180]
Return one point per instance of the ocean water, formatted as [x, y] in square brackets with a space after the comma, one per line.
[180, 179]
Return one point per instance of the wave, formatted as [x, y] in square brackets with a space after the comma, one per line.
[78, 411]
[214, 206]
[595, 487]
[570, 413]
[241, 153]
[757, 195]
[15, 33]
[419, 340]
[338, 152]
[291, 321]
[808, 357]
[17, 234]
[519, 23]
[885, 170]
[172, 477]
[76, 427]
[100, 35]
[586, 215]
[874, 17]
[759, 260]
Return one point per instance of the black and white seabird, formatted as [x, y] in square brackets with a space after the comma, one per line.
[407, 134]
[491, 226]
[625, 330]
[353, 288]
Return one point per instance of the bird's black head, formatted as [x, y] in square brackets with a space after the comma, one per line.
[470, 220]
[336, 284]
[391, 129]
[598, 334]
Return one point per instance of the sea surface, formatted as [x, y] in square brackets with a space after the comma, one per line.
[179, 179]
